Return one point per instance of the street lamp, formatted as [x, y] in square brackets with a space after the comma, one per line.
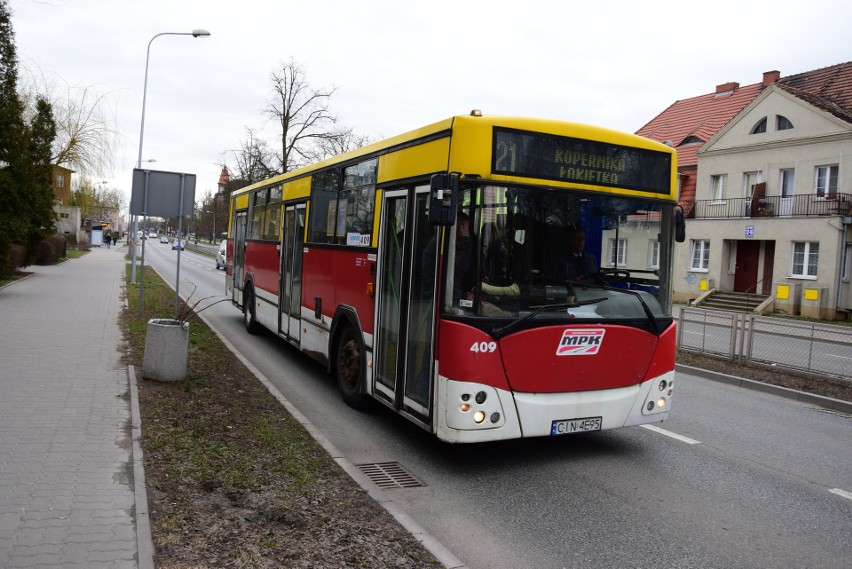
[214, 223]
[198, 33]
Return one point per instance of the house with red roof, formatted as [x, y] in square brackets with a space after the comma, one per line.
[766, 192]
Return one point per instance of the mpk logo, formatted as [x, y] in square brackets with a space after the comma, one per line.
[580, 342]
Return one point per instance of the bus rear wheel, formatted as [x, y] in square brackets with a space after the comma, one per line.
[249, 318]
[349, 355]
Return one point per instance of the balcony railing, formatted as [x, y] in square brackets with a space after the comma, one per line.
[806, 205]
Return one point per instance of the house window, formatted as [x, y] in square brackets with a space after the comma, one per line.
[717, 184]
[782, 123]
[825, 180]
[805, 259]
[787, 180]
[653, 254]
[60, 181]
[618, 254]
[760, 127]
[700, 255]
[750, 179]
[846, 271]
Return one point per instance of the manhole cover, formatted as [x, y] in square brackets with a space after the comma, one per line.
[387, 475]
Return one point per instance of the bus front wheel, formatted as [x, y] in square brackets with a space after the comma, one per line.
[349, 355]
[249, 318]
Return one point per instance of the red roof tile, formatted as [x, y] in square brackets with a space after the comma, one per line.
[699, 118]
[833, 84]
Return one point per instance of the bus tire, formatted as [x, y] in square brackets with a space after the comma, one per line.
[349, 369]
[249, 317]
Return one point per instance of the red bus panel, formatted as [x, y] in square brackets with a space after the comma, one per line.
[465, 354]
[340, 276]
[261, 261]
[577, 358]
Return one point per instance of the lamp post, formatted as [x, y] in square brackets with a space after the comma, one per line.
[198, 33]
[213, 213]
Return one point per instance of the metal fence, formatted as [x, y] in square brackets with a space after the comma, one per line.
[820, 349]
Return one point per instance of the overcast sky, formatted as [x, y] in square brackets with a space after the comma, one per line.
[400, 65]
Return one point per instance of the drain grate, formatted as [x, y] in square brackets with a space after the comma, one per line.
[388, 475]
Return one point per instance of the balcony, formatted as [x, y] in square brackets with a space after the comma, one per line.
[806, 205]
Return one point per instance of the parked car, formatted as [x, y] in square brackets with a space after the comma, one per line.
[177, 244]
[164, 239]
[220, 255]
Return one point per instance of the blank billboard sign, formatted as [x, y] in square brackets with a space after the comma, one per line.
[157, 194]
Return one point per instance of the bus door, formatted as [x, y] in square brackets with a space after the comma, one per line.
[239, 237]
[405, 307]
[292, 247]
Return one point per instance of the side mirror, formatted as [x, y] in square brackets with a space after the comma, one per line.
[680, 224]
[443, 198]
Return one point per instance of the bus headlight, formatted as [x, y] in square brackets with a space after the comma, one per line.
[659, 401]
[473, 406]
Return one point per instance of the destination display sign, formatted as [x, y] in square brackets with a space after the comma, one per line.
[538, 155]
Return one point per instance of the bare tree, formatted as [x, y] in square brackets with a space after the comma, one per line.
[309, 132]
[86, 133]
[255, 160]
[301, 112]
[342, 140]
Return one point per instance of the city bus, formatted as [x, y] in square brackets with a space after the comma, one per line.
[435, 273]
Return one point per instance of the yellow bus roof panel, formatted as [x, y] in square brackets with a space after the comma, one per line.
[298, 188]
[242, 201]
[425, 158]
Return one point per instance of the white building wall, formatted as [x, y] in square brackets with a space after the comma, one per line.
[816, 139]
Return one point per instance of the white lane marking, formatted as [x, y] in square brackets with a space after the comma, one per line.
[681, 438]
[843, 493]
[838, 356]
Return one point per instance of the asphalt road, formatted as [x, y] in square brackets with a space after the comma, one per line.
[736, 478]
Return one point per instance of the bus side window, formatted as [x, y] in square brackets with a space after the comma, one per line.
[323, 220]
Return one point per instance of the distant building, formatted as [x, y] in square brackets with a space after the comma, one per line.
[765, 190]
[69, 222]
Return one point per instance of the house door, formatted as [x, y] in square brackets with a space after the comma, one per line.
[745, 273]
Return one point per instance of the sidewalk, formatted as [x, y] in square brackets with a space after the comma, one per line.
[66, 451]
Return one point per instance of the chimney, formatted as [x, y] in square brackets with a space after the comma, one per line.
[770, 77]
[726, 88]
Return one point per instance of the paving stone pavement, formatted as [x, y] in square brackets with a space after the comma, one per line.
[66, 450]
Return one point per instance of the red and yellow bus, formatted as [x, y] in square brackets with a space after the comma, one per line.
[433, 272]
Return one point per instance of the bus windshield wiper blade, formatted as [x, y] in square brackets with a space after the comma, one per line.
[502, 330]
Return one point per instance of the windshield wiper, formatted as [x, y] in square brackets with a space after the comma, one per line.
[503, 330]
[645, 307]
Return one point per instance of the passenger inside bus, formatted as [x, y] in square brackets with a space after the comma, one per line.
[580, 265]
[463, 277]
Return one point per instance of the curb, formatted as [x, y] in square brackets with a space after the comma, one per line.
[827, 402]
[144, 541]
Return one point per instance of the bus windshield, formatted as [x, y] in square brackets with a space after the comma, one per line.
[539, 253]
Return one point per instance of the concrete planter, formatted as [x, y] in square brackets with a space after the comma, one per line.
[166, 349]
